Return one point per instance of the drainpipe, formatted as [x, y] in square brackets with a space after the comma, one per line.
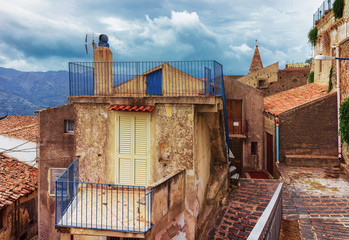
[277, 140]
[338, 102]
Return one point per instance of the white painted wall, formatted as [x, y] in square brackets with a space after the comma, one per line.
[22, 150]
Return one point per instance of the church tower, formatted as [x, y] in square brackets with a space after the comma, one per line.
[256, 63]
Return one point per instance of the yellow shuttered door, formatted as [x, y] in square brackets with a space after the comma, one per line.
[132, 150]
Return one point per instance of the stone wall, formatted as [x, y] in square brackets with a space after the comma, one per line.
[310, 129]
[56, 150]
[268, 74]
[330, 33]
[288, 78]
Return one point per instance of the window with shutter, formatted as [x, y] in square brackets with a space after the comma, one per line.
[132, 148]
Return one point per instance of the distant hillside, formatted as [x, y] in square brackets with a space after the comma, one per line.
[22, 93]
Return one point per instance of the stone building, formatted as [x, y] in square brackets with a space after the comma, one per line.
[300, 127]
[270, 79]
[151, 151]
[333, 40]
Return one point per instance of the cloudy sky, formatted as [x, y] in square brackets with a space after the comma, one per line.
[42, 35]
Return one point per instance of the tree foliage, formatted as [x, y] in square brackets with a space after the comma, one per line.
[312, 36]
[344, 120]
[311, 77]
[338, 7]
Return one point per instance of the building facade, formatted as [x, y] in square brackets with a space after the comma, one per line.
[151, 150]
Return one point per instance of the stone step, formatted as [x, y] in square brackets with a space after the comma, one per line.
[311, 161]
[232, 170]
[235, 176]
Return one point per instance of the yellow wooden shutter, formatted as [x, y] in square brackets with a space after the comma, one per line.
[125, 150]
[132, 152]
[141, 149]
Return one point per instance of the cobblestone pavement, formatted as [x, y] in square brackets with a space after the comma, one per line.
[242, 209]
[319, 199]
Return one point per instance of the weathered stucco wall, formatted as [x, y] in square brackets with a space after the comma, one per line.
[20, 218]
[91, 138]
[172, 126]
[56, 150]
[252, 111]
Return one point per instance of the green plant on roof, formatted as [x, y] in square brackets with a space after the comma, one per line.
[344, 120]
[338, 7]
[330, 86]
[312, 36]
[311, 77]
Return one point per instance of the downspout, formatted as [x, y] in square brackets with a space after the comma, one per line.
[277, 140]
[338, 102]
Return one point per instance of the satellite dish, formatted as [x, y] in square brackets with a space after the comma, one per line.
[91, 40]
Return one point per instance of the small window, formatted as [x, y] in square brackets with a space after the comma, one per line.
[254, 148]
[261, 83]
[68, 126]
[54, 173]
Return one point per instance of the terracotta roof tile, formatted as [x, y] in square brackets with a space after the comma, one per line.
[131, 108]
[286, 100]
[16, 180]
[23, 127]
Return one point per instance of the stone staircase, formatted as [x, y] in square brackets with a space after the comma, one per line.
[233, 175]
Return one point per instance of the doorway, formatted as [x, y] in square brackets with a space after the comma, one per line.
[270, 153]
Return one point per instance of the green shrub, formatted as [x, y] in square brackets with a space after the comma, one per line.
[344, 120]
[294, 80]
[312, 36]
[330, 86]
[338, 7]
[311, 77]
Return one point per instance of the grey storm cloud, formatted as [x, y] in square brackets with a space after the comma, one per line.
[46, 34]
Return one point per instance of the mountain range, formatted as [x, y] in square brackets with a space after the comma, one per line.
[22, 93]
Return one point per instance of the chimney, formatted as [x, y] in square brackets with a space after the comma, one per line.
[103, 75]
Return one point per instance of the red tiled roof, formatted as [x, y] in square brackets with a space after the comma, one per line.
[23, 127]
[286, 100]
[131, 108]
[16, 180]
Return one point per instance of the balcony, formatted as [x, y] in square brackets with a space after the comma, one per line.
[322, 11]
[140, 79]
[101, 206]
[238, 128]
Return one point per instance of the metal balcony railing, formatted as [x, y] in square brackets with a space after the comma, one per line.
[322, 10]
[132, 79]
[101, 206]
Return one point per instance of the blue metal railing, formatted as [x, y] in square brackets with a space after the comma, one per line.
[101, 206]
[325, 6]
[171, 78]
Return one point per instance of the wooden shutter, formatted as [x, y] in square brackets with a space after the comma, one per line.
[125, 150]
[132, 148]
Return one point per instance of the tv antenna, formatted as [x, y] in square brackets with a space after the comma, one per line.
[91, 42]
